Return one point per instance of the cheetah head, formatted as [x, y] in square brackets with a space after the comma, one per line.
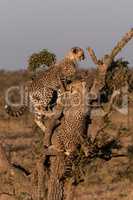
[76, 54]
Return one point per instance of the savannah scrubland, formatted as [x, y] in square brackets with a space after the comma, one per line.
[107, 172]
[96, 179]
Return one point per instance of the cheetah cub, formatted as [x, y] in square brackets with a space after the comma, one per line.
[41, 94]
[69, 135]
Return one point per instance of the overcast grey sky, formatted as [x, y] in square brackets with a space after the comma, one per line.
[26, 26]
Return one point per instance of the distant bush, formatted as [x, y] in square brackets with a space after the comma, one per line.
[117, 75]
[42, 59]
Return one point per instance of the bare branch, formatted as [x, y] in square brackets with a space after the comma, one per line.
[104, 63]
[92, 55]
[121, 44]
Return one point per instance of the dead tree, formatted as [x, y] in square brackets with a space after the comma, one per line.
[58, 162]
[103, 66]
[104, 63]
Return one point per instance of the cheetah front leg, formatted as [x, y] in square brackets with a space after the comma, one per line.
[41, 111]
[40, 124]
[47, 128]
[51, 123]
[62, 84]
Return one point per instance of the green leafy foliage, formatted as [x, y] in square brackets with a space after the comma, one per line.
[117, 75]
[42, 59]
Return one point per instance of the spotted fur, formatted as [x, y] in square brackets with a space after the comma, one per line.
[69, 134]
[39, 92]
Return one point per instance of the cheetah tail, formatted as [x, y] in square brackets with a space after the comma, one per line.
[15, 112]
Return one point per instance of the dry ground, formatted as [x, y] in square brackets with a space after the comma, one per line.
[98, 180]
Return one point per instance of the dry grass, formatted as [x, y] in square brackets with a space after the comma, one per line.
[100, 179]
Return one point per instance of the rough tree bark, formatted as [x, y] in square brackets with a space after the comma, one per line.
[56, 182]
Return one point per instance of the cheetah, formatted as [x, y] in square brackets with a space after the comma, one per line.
[43, 91]
[70, 134]
[67, 137]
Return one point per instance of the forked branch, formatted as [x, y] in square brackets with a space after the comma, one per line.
[107, 59]
[104, 63]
